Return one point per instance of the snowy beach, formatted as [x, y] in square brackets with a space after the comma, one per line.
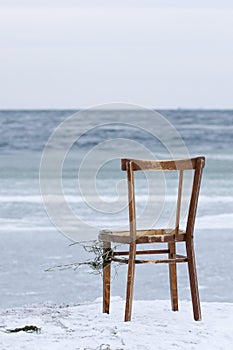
[84, 327]
[30, 244]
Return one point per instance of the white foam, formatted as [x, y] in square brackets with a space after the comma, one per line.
[221, 221]
[79, 199]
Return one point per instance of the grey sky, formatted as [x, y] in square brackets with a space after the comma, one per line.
[72, 54]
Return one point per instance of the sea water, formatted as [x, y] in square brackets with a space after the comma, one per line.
[30, 243]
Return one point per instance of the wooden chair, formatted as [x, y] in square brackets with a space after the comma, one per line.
[133, 237]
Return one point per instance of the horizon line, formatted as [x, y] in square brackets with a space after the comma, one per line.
[123, 109]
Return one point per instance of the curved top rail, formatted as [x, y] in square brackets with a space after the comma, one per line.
[178, 164]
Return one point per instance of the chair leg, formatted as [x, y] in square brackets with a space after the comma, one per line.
[193, 280]
[173, 278]
[106, 277]
[130, 282]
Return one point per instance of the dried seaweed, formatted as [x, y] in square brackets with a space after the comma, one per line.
[27, 329]
[97, 263]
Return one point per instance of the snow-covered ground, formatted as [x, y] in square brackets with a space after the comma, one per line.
[153, 326]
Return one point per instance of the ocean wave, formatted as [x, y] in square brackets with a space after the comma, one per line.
[27, 130]
[210, 222]
[220, 221]
[108, 198]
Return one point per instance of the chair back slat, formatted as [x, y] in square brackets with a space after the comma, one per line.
[179, 197]
[131, 201]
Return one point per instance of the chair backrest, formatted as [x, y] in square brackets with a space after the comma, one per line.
[196, 164]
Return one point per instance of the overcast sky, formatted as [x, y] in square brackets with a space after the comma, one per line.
[157, 53]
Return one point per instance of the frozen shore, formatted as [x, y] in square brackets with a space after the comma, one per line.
[153, 326]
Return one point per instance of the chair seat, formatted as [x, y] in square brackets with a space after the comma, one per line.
[143, 236]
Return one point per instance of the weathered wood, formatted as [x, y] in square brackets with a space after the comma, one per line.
[179, 256]
[189, 239]
[193, 279]
[130, 282]
[145, 165]
[173, 275]
[171, 236]
[178, 205]
[106, 278]
[131, 201]
[194, 196]
[143, 252]
[144, 261]
[132, 249]
[144, 236]
[172, 249]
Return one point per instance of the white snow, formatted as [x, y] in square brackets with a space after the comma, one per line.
[153, 326]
